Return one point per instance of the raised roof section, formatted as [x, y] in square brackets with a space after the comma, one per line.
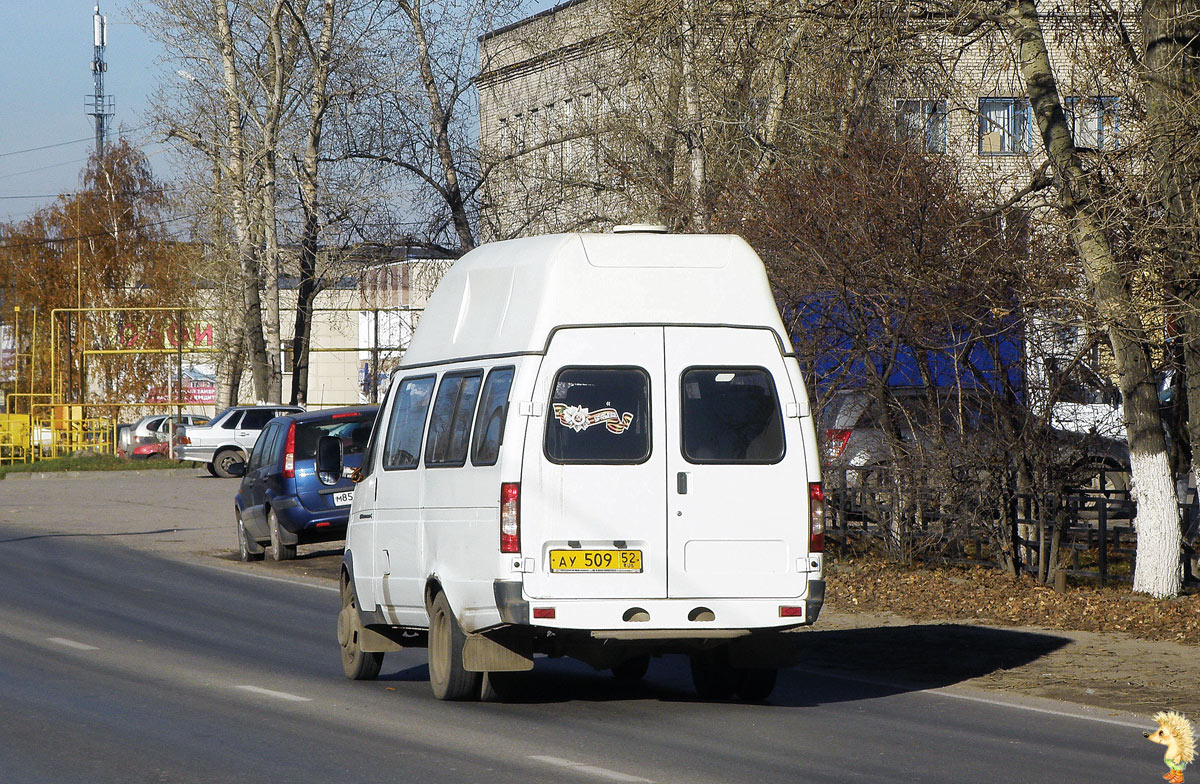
[507, 297]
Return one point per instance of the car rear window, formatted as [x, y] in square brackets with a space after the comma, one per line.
[599, 415]
[353, 430]
[731, 415]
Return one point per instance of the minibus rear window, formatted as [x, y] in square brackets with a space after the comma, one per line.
[599, 415]
[731, 415]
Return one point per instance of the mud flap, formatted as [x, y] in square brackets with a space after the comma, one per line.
[506, 649]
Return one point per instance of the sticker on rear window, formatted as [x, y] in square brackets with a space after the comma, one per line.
[580, 418]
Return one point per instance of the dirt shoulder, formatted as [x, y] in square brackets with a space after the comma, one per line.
[1101, 647]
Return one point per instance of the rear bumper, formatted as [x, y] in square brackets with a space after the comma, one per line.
[664, 618]
[198, 454]
[305, 526]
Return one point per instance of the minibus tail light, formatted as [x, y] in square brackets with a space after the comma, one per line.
[510, 517]
[816, 517]
[289, 453]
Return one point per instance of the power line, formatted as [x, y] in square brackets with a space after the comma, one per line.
[50, 240]
[64, 144]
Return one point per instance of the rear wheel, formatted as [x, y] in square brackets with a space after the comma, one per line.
[712, 674]
[632, 670]
[224, 460]
[279, 551]
[212, 469]
[756, 683]
[357, 664]
[247, 550]
[447, 677]
[498, 686]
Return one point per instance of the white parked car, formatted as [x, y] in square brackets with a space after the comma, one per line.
[597, 446]
[227, 438]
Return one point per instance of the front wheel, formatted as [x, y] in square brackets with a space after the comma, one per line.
[447, 676]
[247, 550]
[357, 664]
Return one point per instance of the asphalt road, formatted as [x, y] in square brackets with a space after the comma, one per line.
[124, 663]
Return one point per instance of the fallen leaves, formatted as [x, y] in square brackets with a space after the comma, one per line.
[870, 584]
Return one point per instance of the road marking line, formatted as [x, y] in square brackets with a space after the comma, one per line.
[279, 695]
[946, 691]
[271, 578]
[590, 770]
[79, 646]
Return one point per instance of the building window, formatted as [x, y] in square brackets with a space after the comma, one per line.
[924, 120]
[1004, 127]
[1093, 121]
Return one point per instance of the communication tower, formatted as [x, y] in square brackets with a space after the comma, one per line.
[101, 105]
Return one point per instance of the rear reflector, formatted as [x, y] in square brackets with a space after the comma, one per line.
[321, 525]
[543, 612]
[816, 517]
[510, 518]
[791, 612]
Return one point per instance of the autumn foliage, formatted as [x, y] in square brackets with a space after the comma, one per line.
[105, 247]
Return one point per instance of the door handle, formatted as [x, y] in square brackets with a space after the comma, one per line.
[681, 482]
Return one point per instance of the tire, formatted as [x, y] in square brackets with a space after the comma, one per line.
[247, 550]
[712, 674]
[212, 470]
[498, 686]
[223, 460]
[357, 664]
[755, 684]
[632, 670]
[278, 551]
[447, 677]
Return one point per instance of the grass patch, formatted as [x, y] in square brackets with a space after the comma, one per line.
[90, 463]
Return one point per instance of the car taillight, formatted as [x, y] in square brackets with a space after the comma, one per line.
[510, 517]
[289, 453]
[816, 517]
[835, 443]
[183, 440]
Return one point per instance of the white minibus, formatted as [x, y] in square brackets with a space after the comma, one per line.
[597, 446]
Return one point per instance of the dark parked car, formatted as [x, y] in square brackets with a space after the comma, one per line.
[282, 501]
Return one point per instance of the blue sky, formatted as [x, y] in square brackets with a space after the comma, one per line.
[45, 59]
[45, 64]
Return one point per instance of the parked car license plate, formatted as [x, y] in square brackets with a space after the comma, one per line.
[343, 498]
[595, 560]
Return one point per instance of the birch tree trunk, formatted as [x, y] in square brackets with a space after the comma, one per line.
[240, 203]
[693, 116]
[1158, 570]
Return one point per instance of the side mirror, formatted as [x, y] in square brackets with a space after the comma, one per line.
[329, 459]
[237, 468]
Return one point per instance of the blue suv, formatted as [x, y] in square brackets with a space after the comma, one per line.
[282, 501]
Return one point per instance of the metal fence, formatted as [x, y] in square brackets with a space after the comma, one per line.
[1087, 535]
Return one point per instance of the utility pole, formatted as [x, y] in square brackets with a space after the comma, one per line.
[101, 105]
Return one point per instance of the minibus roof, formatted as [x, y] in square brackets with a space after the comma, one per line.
[507, 297]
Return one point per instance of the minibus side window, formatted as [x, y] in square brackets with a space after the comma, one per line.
[599, 415]
[489, 421]
[450, 423]
[730, 415]
[407, 423]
